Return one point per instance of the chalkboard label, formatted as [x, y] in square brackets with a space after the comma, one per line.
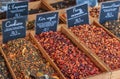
[13, 29]
[46, 22]
[109, 11]
[77, 15]
[91, 3]
[18, 9]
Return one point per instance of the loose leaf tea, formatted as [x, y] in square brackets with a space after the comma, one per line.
[94, 12]
[63, 4]
[74, 64]
[31, 25]
[100, 42]
[113, 26]
[39, 10]
[26, 60]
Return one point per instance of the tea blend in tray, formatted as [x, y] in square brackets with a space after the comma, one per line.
[31, 25]
[40, 10]
[4, 72]
[26, 60]
[113, 26]
[100, 42]
[74, 64]
[94, 12]
[63, 4]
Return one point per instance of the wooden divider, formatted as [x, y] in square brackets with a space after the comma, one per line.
[101, 76]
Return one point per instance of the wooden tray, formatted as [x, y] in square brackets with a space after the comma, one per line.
[113, 74]
[87, 52]
[43, 54]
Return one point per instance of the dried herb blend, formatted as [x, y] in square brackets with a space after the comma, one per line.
[26, 60]
[100, 42]
[113, 26]
[63, 4]
[74, 64]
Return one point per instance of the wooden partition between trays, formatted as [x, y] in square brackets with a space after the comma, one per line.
[75, 41]
[43, 54]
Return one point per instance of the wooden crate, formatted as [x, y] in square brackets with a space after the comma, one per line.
[43, 54]
[87, 52]
[113, 74]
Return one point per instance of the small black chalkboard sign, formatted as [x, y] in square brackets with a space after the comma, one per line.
[13, 29]
[77, 15]
[46, 22]
[17, 9]
[109, 11]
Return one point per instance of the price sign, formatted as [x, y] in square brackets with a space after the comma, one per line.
[109, 11]
[13, 29]
[18, 9]
[46, 22]
[77, 15]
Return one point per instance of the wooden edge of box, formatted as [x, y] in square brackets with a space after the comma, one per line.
[115, 74]
[104, 75]
[110, 33]
[44, 53]
[8, 64]
[87, 51]
[53, 1]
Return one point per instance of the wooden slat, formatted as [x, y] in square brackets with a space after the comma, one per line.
[115, 74]
[101, 76]
[52, 1]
